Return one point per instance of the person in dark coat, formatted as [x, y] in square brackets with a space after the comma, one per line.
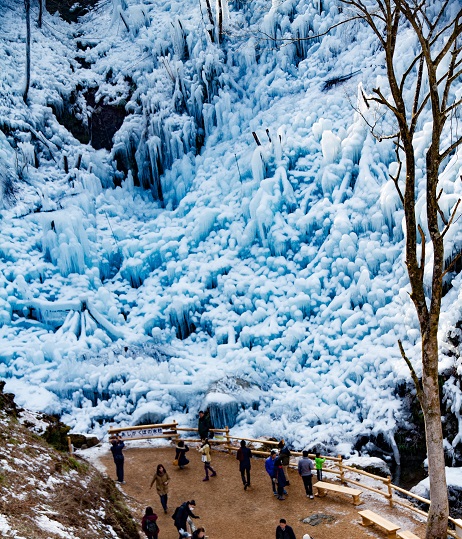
[244, 454]
[181, 514]
[284, 454]
[180, 454]
[199, 533]
[117, 445]
[280, 478]
[283, 531]
[204, 425]
[147, 526]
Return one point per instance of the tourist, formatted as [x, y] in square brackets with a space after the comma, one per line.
[269, 467]
[180, 454]
[284, 454]
[280, 478]
[117, 446]
[283, 531]
[181, 515]
[244, 454]
[161, 479]
[204, 425]
[207, 460]
[199, 534]
[319, 461]
[305, 469]
[149, 524]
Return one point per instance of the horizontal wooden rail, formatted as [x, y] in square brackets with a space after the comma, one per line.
[362, 472]
[367, 487]
[411, 507]
[411, 494]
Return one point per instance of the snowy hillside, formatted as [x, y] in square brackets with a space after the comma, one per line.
[182, 265]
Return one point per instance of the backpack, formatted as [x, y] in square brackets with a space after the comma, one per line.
[152, 527]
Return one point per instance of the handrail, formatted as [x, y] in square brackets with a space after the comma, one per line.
[338, 462]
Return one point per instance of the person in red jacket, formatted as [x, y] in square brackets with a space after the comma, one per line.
[149, 524]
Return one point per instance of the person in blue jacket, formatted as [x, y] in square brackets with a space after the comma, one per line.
[269, 467]
[117, 445]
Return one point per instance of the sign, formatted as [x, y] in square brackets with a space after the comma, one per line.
[138, 433]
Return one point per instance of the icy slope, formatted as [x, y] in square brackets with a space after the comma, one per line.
[266, 281]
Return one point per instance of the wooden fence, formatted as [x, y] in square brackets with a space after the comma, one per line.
[335, 465]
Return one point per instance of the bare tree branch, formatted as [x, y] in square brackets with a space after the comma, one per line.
[414, 376]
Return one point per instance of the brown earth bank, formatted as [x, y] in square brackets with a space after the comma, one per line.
[227, 511]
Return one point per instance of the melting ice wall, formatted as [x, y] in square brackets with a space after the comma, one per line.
[265, 281]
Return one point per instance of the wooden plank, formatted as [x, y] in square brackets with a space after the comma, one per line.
[405, 534]
[323, 487]
[369, 518]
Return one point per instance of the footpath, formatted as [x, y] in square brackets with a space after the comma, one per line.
[229, 512]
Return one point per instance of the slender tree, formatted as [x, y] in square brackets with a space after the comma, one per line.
[424, 86]
[40, 14]
[27, 82]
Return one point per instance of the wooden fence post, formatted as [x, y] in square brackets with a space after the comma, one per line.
[175, 432]
[69, 443]
[390, 491]
[340, 466]
[228, 441]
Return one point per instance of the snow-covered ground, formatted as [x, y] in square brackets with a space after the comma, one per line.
[264, 281]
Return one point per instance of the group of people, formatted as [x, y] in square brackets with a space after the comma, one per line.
[276, 466]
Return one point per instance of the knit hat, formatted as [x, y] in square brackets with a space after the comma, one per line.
[306, 536]
[273, 451]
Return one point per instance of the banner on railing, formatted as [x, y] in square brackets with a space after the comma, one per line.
[139, 433]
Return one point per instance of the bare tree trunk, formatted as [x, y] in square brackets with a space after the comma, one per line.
[40, 14]
[220, 21]
[27, 83]
[211, 22]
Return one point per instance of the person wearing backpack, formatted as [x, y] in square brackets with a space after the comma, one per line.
[149, 524]
[181, 515]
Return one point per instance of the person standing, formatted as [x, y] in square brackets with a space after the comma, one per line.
[207, 460]
[149, 524]
[284, 454]
[283, 531]
[181, 515]
[305, 469]
[269, 467]
[318, 462]
[180, 454]
[117, 446]
[161, 479]
[204, 425]
[244, 454]
[280, 478]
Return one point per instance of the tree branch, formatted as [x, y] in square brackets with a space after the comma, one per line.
[422, 253]
[453, 214]
[415, 379]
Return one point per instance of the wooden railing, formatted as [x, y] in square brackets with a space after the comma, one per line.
[224, 439]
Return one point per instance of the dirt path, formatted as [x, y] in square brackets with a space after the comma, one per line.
[229, 512]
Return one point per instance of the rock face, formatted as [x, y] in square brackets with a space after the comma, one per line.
[69, 10]
[372, 465]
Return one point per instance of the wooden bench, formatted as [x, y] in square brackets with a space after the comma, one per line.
[324, 487]
[406, 535]
[369, 518]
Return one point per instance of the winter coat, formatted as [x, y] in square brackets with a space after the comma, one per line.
[284, 454]
[161, 482]
[144, 528]
[287, 533]
[116, 449]
[244, 454]
[305, 465]
[205, 450]
[181, 515]
[269, 466]
[180, 455]
[203, 426]
[319, 462]
[280, 475]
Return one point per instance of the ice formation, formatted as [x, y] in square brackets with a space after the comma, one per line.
[147, 281]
